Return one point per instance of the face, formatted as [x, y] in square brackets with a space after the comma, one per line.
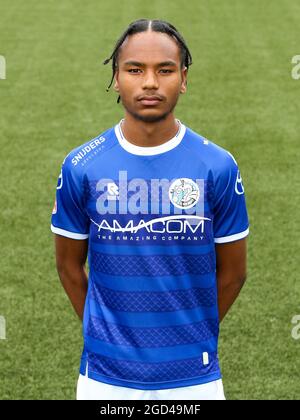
[149, 66]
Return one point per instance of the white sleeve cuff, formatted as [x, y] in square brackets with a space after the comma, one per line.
[68, 234]
[232, 238]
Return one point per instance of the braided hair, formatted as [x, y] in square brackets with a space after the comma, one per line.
[142, 25]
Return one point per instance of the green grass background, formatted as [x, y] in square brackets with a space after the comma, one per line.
[240, 95]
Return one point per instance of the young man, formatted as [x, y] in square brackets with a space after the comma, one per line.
[160, 211]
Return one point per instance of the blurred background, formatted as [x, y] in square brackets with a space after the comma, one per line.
[241, 95]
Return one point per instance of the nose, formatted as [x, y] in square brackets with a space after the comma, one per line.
[150, 80]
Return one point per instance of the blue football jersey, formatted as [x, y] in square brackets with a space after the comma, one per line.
[152, 217]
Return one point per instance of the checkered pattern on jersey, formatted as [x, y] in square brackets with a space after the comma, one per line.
[152, 265]
[152, 372]
[152, 336]
[151, 301]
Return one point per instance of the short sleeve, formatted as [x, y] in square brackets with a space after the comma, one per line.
[69, 217]
[231, 221]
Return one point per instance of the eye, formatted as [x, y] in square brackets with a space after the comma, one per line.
[165, 71]
[133, 70]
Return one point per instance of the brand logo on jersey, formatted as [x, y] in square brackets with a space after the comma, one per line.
[239, 188]
[184, 193]
[112, 191]
[87, 149]
[166, 224]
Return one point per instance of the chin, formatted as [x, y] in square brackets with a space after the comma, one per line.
[150, 117]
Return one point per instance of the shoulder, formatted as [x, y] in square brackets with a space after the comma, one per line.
[78, 159]
[217, 159]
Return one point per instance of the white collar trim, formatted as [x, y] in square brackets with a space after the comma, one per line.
[149, 150]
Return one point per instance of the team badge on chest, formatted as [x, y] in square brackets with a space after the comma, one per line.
[184, 193]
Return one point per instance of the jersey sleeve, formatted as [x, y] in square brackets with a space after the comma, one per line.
[69, 217]
[231, 221]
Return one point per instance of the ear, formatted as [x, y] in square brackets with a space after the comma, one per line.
[183, 80]
[116, 85]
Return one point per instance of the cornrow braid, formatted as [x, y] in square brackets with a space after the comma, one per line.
[142, 25]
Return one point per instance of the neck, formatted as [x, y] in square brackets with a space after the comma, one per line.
[148, 134]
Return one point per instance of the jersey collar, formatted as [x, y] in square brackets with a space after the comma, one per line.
[151, 150]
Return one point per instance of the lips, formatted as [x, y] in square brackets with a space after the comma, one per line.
[150, 100]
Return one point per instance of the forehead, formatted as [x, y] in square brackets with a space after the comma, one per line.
[149, 47]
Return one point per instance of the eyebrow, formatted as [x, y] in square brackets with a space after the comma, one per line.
[163, 64]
